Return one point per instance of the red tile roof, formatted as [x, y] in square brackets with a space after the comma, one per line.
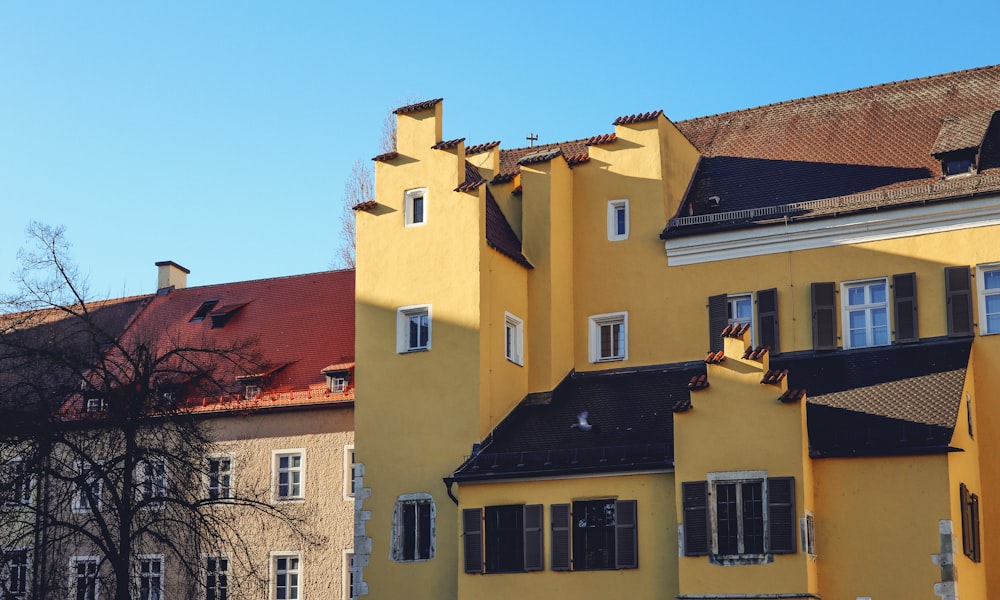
[445, 145]
[638, 118]
[774, 376]
[600, 140]
[368, 205]
[417, 107]
[479, 148]
[715, 358]
[385, 157]
[510, 159]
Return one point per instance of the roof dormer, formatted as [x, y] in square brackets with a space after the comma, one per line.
[960, 141]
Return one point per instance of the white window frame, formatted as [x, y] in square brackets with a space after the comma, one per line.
[337, 384]
[94, 405]
[403, 315]
[595, 323]
[347, 575]
[846, 309]
[217, 556]
[738, 477]
[349, 472]
[514, 339]
[73, 562]
[5, 557]
[140, 576]
[251, 392]
[396, 545]
[614, 207]
[21, 482]
[208, 475]
[157, 484]
[807, 531]
[80, 504]
[731, 303]
[982, 293]
[408, 197]
[276, 470]
[297, 573]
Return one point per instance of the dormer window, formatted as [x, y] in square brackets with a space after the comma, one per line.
[221, 316]
[251, 392]
[94, 405]
[336, 384]
[203, 310]
[958, 166]
[338, 377]
[960, 141]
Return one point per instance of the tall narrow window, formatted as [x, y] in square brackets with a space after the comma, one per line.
[609, 337]
[513, 339]
[16, 483]
[89, 487]
[83, 573]
[618, 220]
[153, 481]
[216, 578]
[289, 471]
[866, 313]
[287, 573]
[415, 207]
[348, 576]
[14, 575]
[220, 477]
[969, 504]
[413, 328]
[349, 472]
[150, 577]
[988, 280]
[413, 528]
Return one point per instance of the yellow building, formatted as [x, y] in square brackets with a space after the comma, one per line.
[536, 413]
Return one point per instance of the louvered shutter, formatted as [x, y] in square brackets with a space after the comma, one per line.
[958, 294]
[781, 514]
[695, 500]
[824, 317]
[472, 531]
[533, 538]
[767, 319]
[560, 515]
[718, 318]
[626, 535]
[904, 293]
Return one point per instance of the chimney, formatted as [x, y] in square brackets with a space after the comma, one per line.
[171, 275]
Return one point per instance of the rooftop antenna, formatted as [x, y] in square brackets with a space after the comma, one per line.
[532, 138]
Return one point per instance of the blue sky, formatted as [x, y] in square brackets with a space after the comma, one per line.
[220, 134]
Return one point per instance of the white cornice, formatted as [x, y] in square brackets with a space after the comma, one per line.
[835, 231]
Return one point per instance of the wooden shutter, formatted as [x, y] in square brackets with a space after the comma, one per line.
[767, 319]
[472, 531]
[626, 535]
[695, 500]
[958, 295]
[824, 317]
[970, 522]
[533, 550]
[904, 294]
[781, 514]
[560, 515]
[718, 318]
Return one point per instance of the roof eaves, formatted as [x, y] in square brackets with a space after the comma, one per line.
[447, 144]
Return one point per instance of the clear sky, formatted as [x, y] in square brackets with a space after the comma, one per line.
[220, 134]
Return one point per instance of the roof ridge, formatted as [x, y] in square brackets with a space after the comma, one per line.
[887, 84]
[262, 279]
[542, 147]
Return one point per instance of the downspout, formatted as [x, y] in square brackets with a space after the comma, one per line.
[448, 481]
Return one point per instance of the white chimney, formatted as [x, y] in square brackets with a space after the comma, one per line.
[171, 275]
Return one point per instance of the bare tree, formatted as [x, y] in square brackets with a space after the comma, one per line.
[103, 456]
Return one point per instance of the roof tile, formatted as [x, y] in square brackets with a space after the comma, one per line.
[417, 107]
[479, 148]
[447, 144]
[600, 140]
[637, 118]
[385, 157]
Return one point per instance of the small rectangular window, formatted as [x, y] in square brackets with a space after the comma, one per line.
[348, 576]
[219, 475]
[969, 504]
[83, 574]
[152, 479]
[514, 339]
[14, 575]
[808, 533]
[251, 392]
[413, 329]
[866, 313]
[17, 483]
[415, 207]
[287, 569]
[150, 577]
[203, 310]
[88, 496]
[413, 528]
[609, 337]
[349, 473]
[289, 475]
[988, 281]
[618, 220]
[217, 577]
[96, 405]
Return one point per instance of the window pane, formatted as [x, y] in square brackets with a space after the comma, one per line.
[620, 220]
[855, 296]
[991, 279]
[726, 518]
[606, 349]
[878, 293]
[424, 533]
[743, 310]
[409, 515]
[753, 518]
[418, 209]
[857, 319]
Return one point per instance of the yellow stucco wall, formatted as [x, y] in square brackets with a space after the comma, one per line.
[656, 576]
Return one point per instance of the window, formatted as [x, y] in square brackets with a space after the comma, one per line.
[89, 486]
[415, 210]
[738, 309]
[336, 383]
[219, 476]
[609, 337]
[413, 528]
[17, 483]
[618, 220]
[83, 577]
[739, 518]
[968, 414]
[807, 526]
[348, 576]
[512, 536]
[217, 577]
[287, 569]
[289, 468]
[514, 339]
[866, 313]
[594, 534]
[251, 392]
[958, 166]
[96, 405]
[969, 504]
[988, 278]
[413, 328]
[349, 472]
[14, 575]
[203, 310]
[152, 476]
[150, 577]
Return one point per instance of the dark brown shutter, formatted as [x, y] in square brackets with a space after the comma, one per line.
[626, 535]
[970, 522]
[958, 295]
[767, 319]
[533, 538]
[904, 294]
[824, 305]
[718, 318]
[781, 514]
[695, 499]
[472, 531]
[560, 514]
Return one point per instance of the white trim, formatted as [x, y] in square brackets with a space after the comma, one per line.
[807, 531]
[516, 353]
[73, 561]
[846, 309]
[613, 207]
[408, 197]
[403, 314]
[752, 297]
[348, 472]
[981, 294]
[79, 503]
[203, 570]
[5, 552]
[207, 477]
[272, 582]
[275, 456]
[347, 571]
[160, 485]
[829, 232]
[594, 324]
[19, 480]
[162, 573]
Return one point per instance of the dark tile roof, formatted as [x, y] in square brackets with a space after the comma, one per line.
[540, 156]
[500, 235]
[600, 140]
[478, 148]
[446, 144]
[472, 179]
[510, 159]
[962, 132]
[637, 118]
[853, 146]
[417, 107]
[367, 205]
[385, 157]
